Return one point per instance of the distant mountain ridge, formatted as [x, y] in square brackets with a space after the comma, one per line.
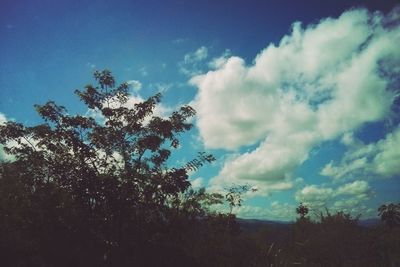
[258, 222]
[370, 222]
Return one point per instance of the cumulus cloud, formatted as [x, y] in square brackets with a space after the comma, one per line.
[348, 198]
[218, 62]
[355, 188]
[321, 81]
[191, 61]
[379, 159]
[314, 196]
[318, 197]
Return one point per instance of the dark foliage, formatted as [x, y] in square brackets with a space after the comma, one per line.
[390, 214]
[334, 239]
[302, 210]
[234, 195]
[87, 193]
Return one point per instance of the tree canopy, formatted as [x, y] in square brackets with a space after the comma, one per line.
[104, 182]
[390, 214]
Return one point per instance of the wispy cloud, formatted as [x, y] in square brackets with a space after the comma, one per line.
[91, 65]
[218, 62]
[191, 63]
[143, 71]
[135, 85]
[179, 41]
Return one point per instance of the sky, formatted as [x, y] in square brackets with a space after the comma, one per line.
[297, 99]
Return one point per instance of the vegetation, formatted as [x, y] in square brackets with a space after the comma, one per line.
[234, 195]
[97, 192]
[302, 210]
[86, 192]
[390, 214]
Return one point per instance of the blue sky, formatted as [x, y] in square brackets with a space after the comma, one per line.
[298, 99]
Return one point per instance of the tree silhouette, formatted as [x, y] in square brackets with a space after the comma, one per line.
[390, 214]
[234, 195]
[102, 185]
[302, 210]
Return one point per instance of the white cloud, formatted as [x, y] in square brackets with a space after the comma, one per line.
[318, 197]
[387, 160]
[3, 154]
[276, 211]
[197, 183]
[349, 140]
[379, 159]
[13, 143]
[200, 54]
[346, 203]
[321, 81]
[135, 84]
[218, 62]
[161, 87]
[331, 170]
[314, 196]
[348, 198]
[191, 61]
[358, 187]
[3, 119]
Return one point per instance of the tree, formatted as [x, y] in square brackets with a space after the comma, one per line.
[104, 184]
[390, 214]
[302, 210]
[234, 195]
